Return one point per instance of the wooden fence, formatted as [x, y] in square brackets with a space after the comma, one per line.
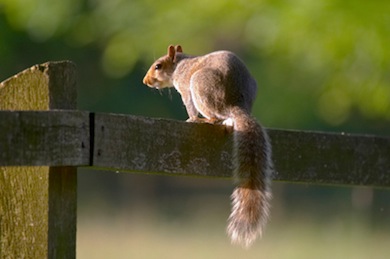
[44, 139]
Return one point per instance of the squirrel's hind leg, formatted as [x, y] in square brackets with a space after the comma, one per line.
[208, 95]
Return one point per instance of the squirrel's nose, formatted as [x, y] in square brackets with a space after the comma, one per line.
[145, 81]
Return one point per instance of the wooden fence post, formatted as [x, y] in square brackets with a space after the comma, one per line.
[38, 204]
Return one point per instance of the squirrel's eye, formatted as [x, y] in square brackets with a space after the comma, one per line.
[158, 66]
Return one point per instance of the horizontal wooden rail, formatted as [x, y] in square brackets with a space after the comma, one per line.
[37, 138]
[132, 143]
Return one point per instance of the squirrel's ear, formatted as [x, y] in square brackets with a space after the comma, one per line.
[171, 52]
[179, 48]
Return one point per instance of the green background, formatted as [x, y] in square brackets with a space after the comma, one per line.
[320, 65]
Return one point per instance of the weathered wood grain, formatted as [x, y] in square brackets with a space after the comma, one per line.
[51, 85]
[331, 158]
[38, 204]
[55, 138]
[130, 143]
[149, 145]
[124, 142]
[23, 212]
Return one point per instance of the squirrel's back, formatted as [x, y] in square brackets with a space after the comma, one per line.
[235, 78]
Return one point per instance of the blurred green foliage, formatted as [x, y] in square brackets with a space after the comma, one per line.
[320, 64]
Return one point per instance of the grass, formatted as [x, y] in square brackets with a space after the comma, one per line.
[146, 233]
[144, 216]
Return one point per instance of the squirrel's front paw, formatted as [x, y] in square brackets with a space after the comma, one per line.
[204, 120]
[192, 119]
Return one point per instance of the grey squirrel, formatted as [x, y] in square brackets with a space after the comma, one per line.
[219, 87]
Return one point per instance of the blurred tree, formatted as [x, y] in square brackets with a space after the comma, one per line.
[320, 64]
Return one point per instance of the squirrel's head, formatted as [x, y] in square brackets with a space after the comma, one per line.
[160, 73]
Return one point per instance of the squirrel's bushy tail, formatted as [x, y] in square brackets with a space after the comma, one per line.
[253, 169]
